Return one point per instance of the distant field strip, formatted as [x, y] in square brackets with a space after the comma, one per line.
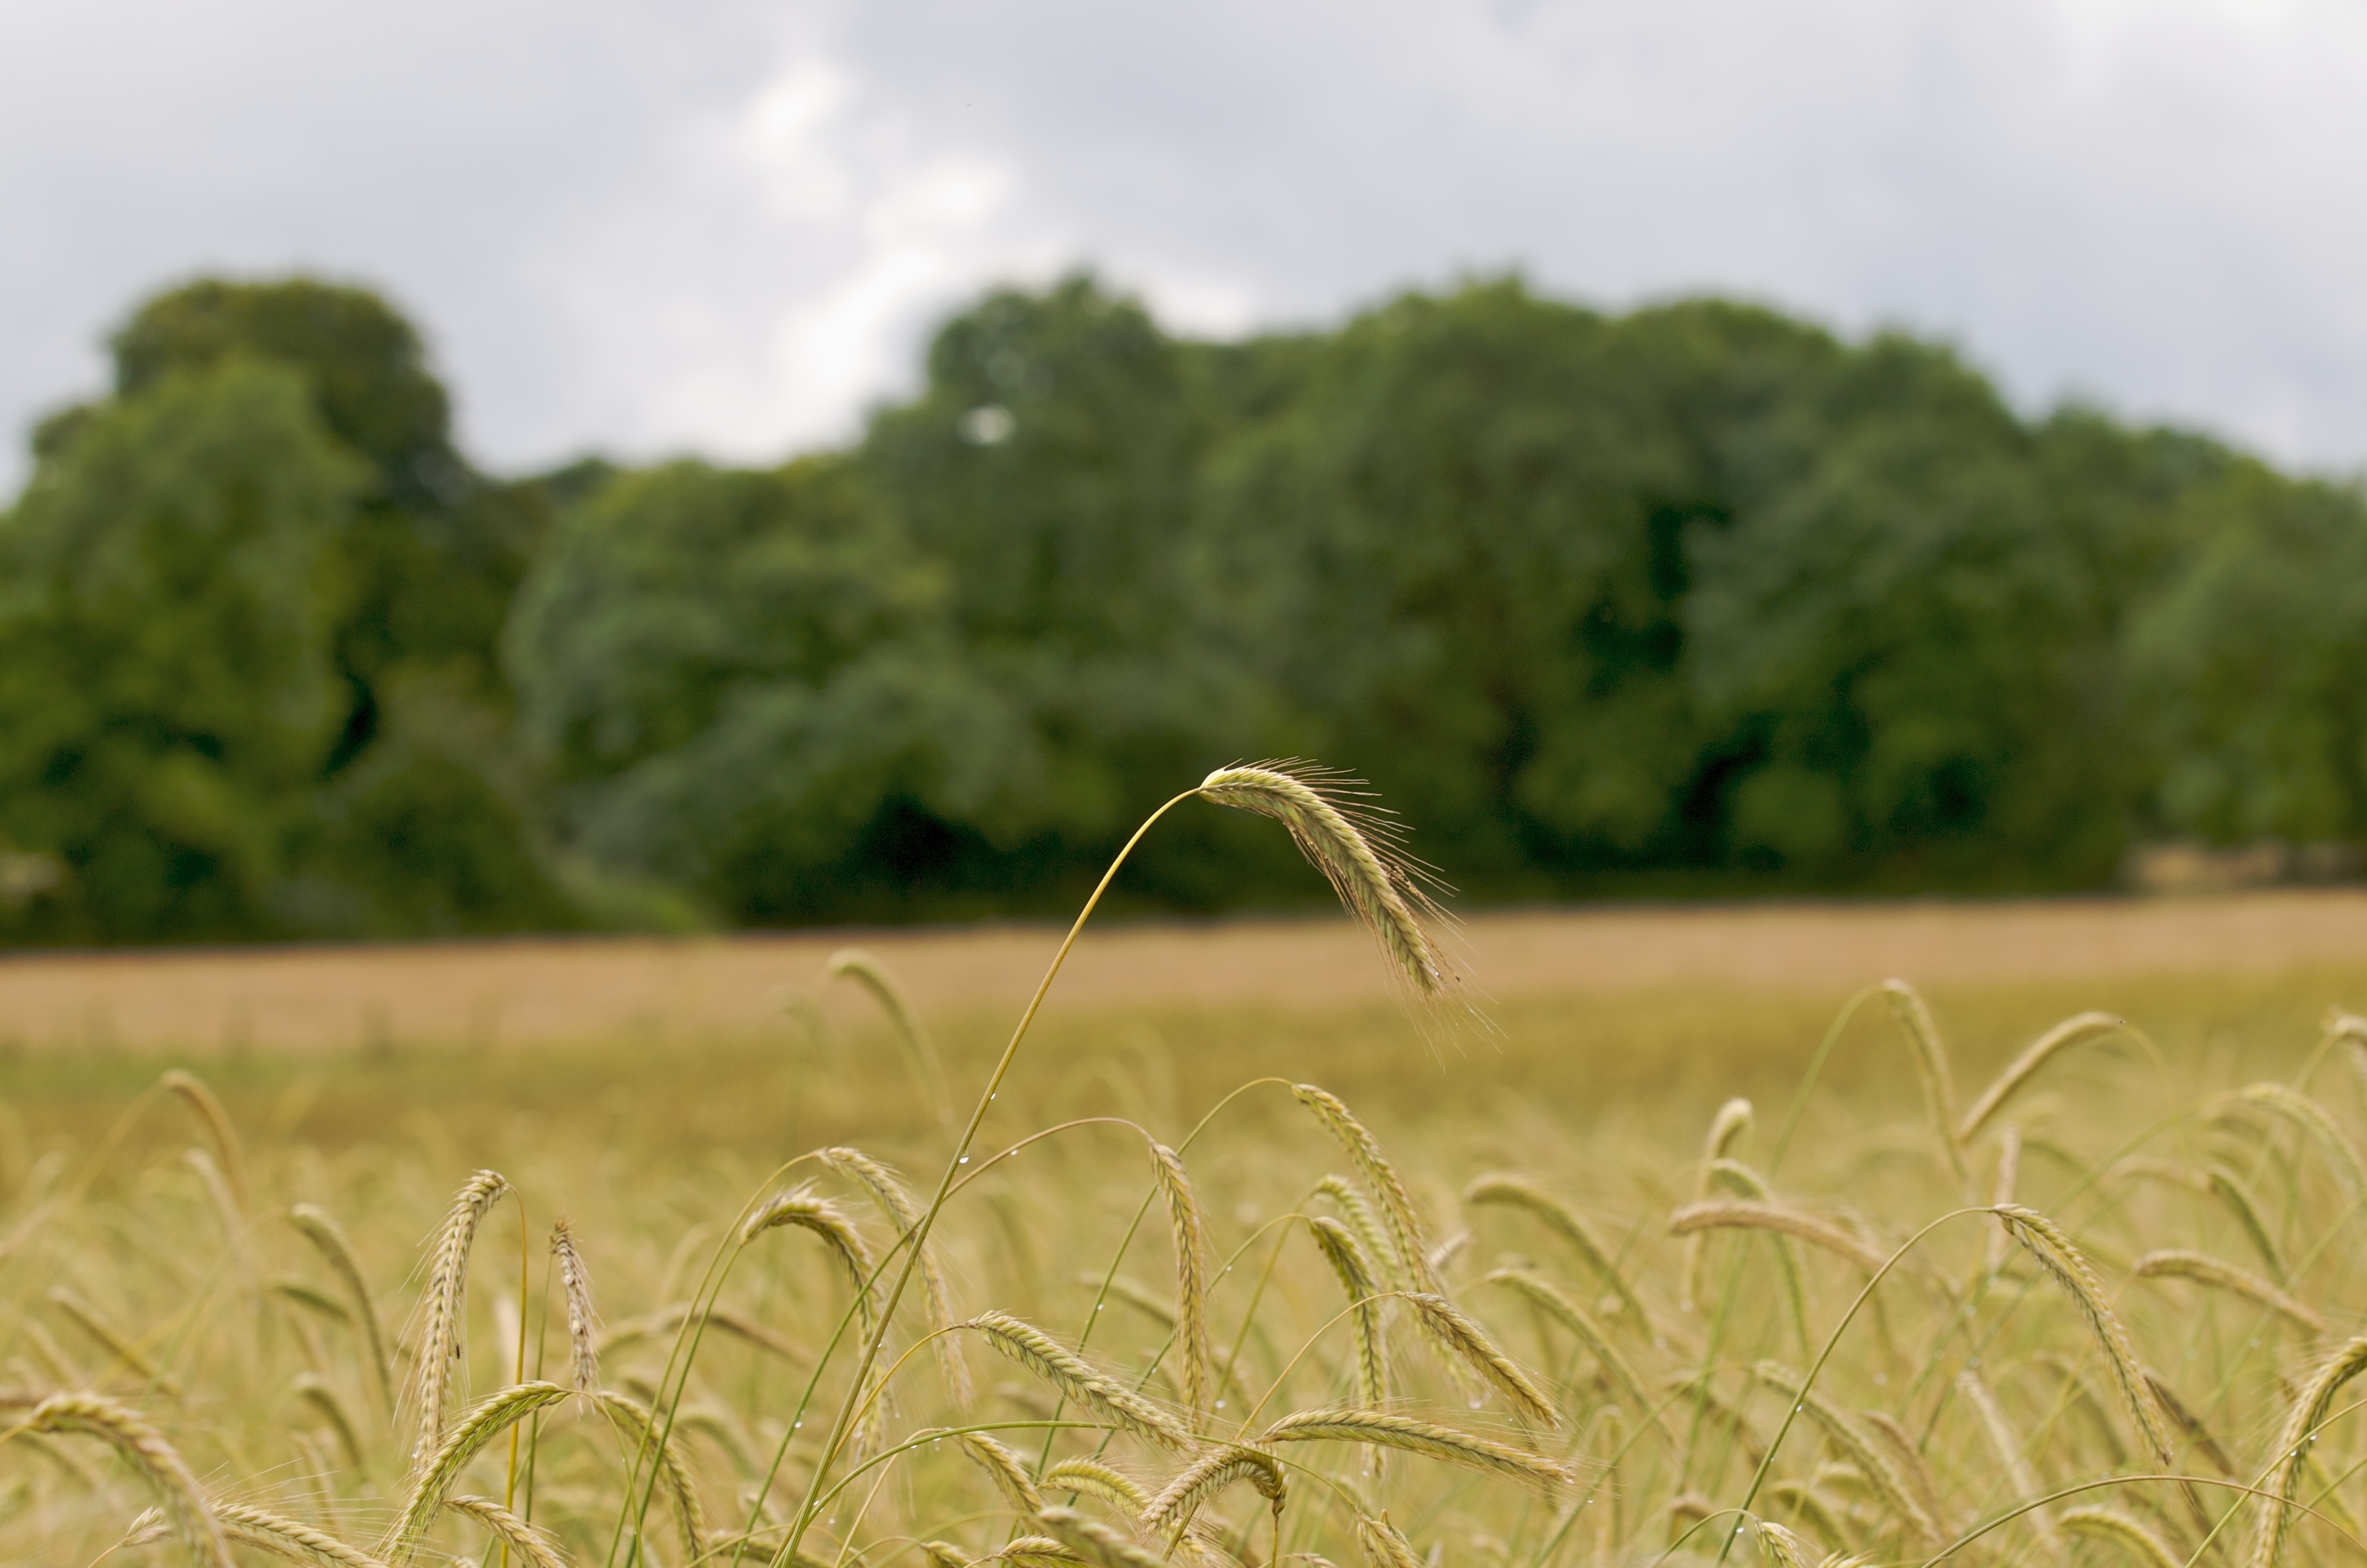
[558, 990]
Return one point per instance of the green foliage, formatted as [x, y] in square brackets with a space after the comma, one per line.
[166, 681]
[1695, 598]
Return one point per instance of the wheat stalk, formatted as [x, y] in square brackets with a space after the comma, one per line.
[2023, 1068]
[667, 1319]
[1065, 1370]
[1384, 1545]
[905, 1214]
[442, 1470]
[534, 1548]
[854, 964]
[314, 1224]
[1189, 1231]
[1354, 851]
[313, 1391]
[1547, 1297]
[145, 1452]
[2003, 1191]
[648, 1440]
[84, 1317]
[2011, 1455]
[194, 1093]
[2296, 1437]
[1095, 1541]
[282, 1538]
[1914, 1017]
[2053, 1250]
[1380, 1177]
[1193, 1485]
[1036, 1552]
[2229, 1188]
[1848, 1437]
[2177, 1263]
[1519, 1192]
[447, 1285]
[2311, 1118]
[1448, 1327]
[2132, 1538]
[1006, 1470]
[1744, 1213]
[1096, 1478]
[1383, 1430]
[1732, 1121]
[582, 1322]
[1346, 1256]
[1782, 1549]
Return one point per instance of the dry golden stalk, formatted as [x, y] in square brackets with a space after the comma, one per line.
[2013, 1456]
[1355, 851]
[646, 1444]
[1095, 1541]
[1850, 1438]
[1189, 1231]
[2177, 1263]
[2229, 1188]
[1006, 1470]
[447, 1285]
[2053, 1250]
[144, 1450]
[1096, 1479]
[314, 1226]
[1549, 1298]
[2296, 1437]
[888, 1193]
[2132, 1538]
[665, 1320]
[1171, 1510]
[1383, 1430]
[2001, 1191]
[854, 964]
[229, 1157]
[1385, 1546]
[1449, 1328]
[1914, 1017]
[535, 1549]
[442, 1471]
[1380, 1177]
[2311, 1118]
[1346, 1256]
[1743, 1213]
[582, 1322]
[1566, 1222]
[84, 1317]
[1065, 1370]
[2062, 1037]
[312, 1391]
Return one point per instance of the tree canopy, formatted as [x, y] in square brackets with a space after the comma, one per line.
[1698, 598]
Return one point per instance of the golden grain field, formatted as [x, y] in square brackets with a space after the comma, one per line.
[1245, 1264]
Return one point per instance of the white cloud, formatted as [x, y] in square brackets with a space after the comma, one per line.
[727, 224]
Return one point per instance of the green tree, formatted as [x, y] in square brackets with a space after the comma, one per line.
[167, 681]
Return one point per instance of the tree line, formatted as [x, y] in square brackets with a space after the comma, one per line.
[1697, 599]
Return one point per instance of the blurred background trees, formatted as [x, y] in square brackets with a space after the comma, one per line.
[1699, 599]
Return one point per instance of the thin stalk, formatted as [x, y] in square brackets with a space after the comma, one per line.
[840, 1422]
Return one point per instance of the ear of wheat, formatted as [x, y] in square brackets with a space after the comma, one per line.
[1384, 1545]
[1403, 1432]
[447, 1283]
[2062, 1262]
[1067, 1372]
[582, 1322]
[2134, 1538]
[442, 1470]
[1354, 849]
[228, 1154]
[1380, 1177]
[147, 1454]
[535, 1549]
[1518, 1191]
[1189, 1232]
[1096, 1478]
[2296, 1437]
[2342, 1154]
[315, 1225]
[1915, 1021]
[1346, 1256]
[1846, 1435]
[2179, 1263]
[854, 964]
[904, 1214]
[2023, 1068]
[1006, 1470]
[1449, 1328]
[650, 1443]
[1168, 1513]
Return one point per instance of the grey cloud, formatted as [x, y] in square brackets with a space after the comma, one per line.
[727, 225]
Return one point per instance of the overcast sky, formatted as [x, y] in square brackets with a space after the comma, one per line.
[727, 225]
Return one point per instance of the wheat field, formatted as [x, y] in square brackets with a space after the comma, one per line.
[2043, 1267]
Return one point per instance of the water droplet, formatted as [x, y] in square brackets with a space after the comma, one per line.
[965, 1159]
